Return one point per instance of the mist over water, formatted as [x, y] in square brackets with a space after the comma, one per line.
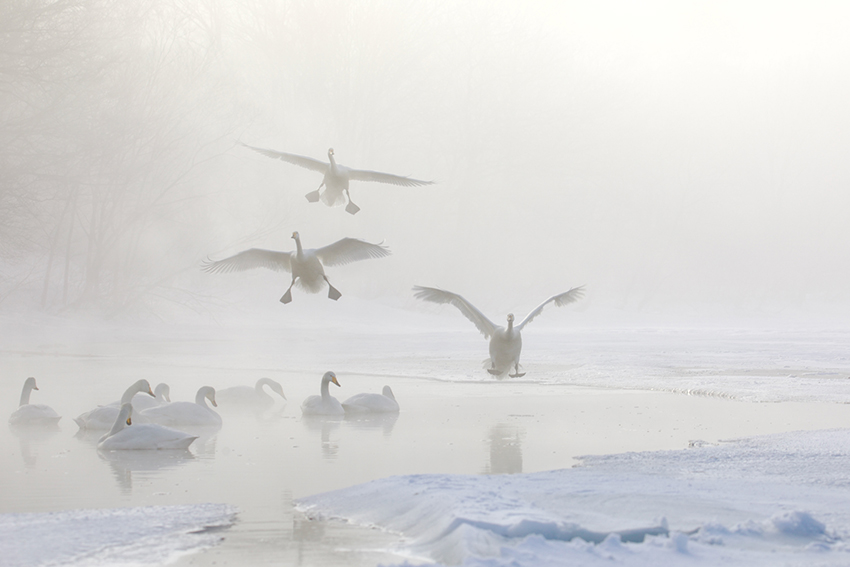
[681, 159]
[686, 162]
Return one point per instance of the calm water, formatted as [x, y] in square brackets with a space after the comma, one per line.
[261, 463]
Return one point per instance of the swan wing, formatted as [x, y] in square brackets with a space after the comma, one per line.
[434, 295]
[560, 300]
[365, 175]
[295, 159]
[248, 259]
[350, 250]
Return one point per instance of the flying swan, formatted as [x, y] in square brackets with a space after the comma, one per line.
[143, 436]
[505, 343]
[305, 265]
[336, 177]
[324, 404]
[32, 414]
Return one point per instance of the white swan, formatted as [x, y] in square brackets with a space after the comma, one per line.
[336, 177]
[144, 436]
[195, 414]
[247, 396]
[384, 402]
[32, 414]
[103, 417]
[505, 342]
[306, 265]
[162, 396]
[324, 404]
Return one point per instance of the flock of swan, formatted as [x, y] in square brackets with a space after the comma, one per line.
[144, 419]
[159, 423]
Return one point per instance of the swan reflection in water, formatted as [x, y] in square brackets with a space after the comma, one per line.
[325, 425]
[126, 465]
[32, 437]
[383, 421]
[505, 449]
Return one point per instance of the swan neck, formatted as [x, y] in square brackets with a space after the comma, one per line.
[25, 394]
[510, 325]
[200, 397]
[120, 423]
[260, 383]
[333, 161]
[326, 389]
[130, 392]
[298, 249]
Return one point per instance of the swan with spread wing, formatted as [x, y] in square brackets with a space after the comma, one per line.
[505, 342]
[305, 264]
[336, 177]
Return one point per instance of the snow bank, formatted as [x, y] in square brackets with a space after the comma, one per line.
[152, 535]
[780, 499]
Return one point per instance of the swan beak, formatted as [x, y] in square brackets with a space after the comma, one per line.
[215, 405]
[151, 393]
[333, 379]
[130, 422]
[35, 387]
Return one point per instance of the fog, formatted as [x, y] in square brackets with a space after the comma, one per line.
[681, 160]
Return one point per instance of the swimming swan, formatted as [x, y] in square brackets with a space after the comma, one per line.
[196, 414]
[324, 404]
[505, 343]
[336, 177]
[384, 402]
[143, 436]
[247, 396]
[32, 414]
[103, 417]
[306, 265]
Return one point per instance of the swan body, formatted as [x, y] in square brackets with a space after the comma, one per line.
[305, 264]
[336, 177]
[384, 402]
[505, 342]
[103, 417]
[32, 414]
[247, 396]
[324, 404]
[193, 414]
[145, 436]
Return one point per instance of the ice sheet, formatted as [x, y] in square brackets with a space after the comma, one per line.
[150, 535]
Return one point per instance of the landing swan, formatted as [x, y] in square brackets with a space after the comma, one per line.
[384, 402]
[505, 343]
[143, 436]
[336, 177]
[324, 404]
[247, 396]
[306, 265]
[103, 417]
[194, 414]
[29, 414]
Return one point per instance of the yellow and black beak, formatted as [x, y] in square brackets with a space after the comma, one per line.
[130, 422]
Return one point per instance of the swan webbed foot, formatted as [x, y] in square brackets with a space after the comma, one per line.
[313, 196]
[351, 208]
[494, 372]
[517, 375]
[287, 297]
[333, 293]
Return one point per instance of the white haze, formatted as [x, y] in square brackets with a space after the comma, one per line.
[682, 159]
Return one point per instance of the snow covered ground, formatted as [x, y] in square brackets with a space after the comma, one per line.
[779, 499]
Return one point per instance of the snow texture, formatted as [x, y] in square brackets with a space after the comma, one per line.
[151, 535]
[778, 499]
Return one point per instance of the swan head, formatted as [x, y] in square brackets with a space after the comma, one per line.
[330, 377]
[30, 383]
[163, 392]
[330, 152]
[210, 395]
[510, 317]
[125, 414]
[296, 236]
[277, 388]
[388, 392]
